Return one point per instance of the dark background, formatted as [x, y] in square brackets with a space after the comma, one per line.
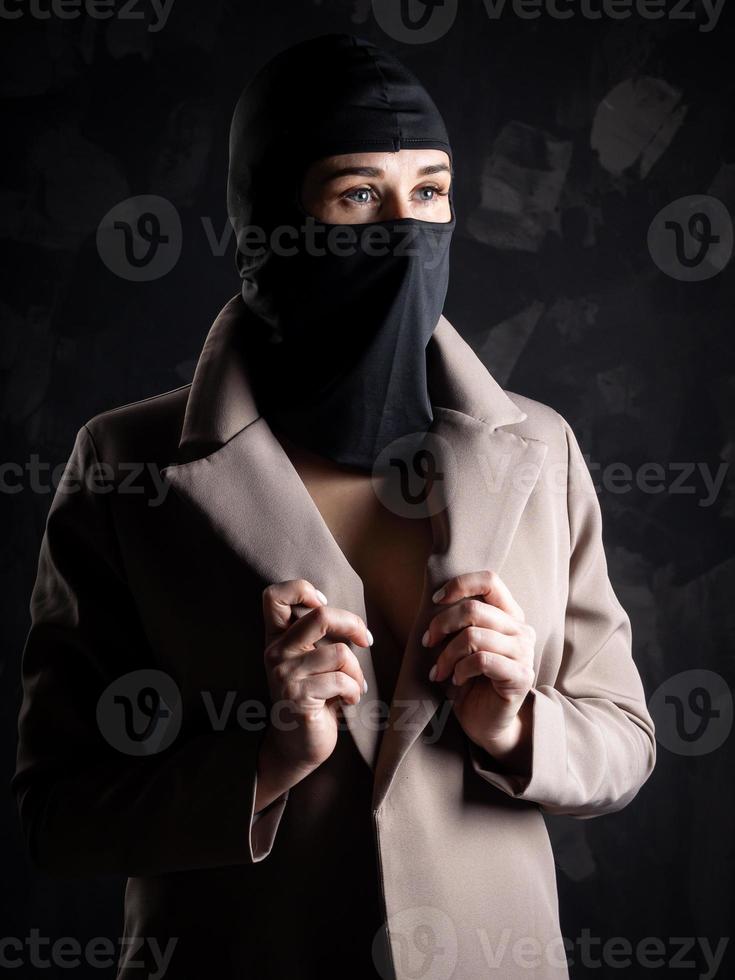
[555, 288]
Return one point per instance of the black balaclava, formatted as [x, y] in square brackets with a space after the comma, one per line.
[339, 315]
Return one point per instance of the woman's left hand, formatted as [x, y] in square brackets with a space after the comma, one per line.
[489, 658]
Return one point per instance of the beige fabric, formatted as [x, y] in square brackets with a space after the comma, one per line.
[463, 861]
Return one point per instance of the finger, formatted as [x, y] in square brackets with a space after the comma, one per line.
[327, 658]
[469, 612]
[323, 687]
[469, 641]
[484, 583]
[299, 610]
[324, 621]
[508, 676]
[280, 597]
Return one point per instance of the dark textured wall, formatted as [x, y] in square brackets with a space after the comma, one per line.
[584, 148]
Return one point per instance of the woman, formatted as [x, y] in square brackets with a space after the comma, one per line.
[330, 800]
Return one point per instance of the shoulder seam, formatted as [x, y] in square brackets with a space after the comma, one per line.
[139, 401]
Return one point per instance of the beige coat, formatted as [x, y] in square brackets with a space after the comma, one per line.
[413, 823]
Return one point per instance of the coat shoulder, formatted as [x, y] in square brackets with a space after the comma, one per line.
[542, 422]
[145, 431]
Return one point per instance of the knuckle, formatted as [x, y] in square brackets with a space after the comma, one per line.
[290, 690]
[468, 609]
[345, 685]
[479, 608]
[343, 652]
[473, 637]
[321, 617]
[272, 655]
[526, 658]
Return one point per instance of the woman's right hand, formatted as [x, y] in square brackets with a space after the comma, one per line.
[307, 679]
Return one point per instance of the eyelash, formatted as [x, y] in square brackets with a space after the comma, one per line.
[363, 204]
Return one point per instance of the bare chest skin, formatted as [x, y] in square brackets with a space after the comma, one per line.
[388, 551]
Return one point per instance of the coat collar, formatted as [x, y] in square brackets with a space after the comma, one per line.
[221, 403]
[238, 478]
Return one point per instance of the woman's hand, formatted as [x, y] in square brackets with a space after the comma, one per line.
[490, 661]
[307, 681]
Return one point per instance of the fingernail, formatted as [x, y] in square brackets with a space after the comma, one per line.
[370, 637]
[425, 639]
[454, 680]
[321, 597]
[364, 687]
[439, 594]
[432, 673]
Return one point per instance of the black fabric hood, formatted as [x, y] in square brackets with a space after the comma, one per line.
[335, 93]
[337, 336]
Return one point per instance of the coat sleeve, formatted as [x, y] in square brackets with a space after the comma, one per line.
[86, 808]
[592, 739]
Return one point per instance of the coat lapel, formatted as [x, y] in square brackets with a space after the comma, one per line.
[255, 501]
[473, 527]
[236, 475]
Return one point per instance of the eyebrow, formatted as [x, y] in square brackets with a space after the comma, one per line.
[434, 168]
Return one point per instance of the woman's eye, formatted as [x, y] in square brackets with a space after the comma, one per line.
[363, 195]
[429, 194]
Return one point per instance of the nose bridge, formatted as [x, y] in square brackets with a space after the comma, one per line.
[397, 203]
[403, 208]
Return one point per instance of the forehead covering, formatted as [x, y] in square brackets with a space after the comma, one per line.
[332, 94]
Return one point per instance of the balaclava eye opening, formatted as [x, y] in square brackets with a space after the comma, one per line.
[340, 315]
